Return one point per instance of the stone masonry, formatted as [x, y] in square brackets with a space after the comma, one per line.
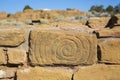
[54, 53]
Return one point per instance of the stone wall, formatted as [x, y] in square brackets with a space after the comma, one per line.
[3, 15]
[51, 15]
[29, 53]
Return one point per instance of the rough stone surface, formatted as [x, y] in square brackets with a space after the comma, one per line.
[61, 47]
[3, 15]
[118, 16]
[11, 37]
[114, 32]
[43, 14]
[3, 59]
[110, 50]
[25, 45]
[6, 74]
[98, 72]
[16, 56]
[39, 73]
[98, 22]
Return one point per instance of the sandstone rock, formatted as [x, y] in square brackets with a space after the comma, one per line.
[118, 16]
[39, 73]
[3, 59]
[11, 37]
[114, 32]
[110, 50]
[28, 11]
[3, 15]
[98, 72]
[16, 56]
[98, 22]
[25, 45]
[6, 74]
[49, 47]
[45, 14]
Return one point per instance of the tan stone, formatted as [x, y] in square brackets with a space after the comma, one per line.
[110, 50]
[98, 22]
[3, 15]
[114, 32]
[44, 14]
[6, 74]
[16, 56]
[39, 73]
[3, 59]
[28, 10]
[98, 72]
[62, 47]
[12, 37]
[118, 16]
[76, 28]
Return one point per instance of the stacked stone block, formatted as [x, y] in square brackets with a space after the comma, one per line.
[59, 54]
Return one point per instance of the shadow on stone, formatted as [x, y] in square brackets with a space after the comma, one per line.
[111, 23]
[99, 53]
[87, 24]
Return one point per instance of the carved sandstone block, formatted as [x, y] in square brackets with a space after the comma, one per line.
[39, 73]
[48, 47]
[110, 50]
[11, 37]
[98, 72]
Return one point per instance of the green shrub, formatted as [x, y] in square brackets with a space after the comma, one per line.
[59, 18]
[27, 7]
[10, 22]
[28, 22]
[44, 21]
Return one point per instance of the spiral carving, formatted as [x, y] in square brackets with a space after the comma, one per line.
[59, 48]
[69, 49]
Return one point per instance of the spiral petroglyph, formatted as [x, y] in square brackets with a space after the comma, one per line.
[48, 47]
[69, 48]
